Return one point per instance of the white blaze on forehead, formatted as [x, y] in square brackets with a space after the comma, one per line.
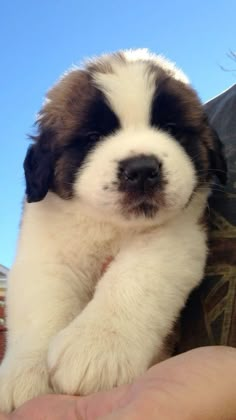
[129, 90]
[169, 67]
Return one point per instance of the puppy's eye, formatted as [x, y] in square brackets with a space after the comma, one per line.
[176, 131]
[170, 127]
[92, 136]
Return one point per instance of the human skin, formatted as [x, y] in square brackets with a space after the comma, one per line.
[197, 385]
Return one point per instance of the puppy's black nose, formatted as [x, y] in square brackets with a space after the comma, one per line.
[139, 173]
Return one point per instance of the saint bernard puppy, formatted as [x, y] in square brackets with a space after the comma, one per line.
[112, 239]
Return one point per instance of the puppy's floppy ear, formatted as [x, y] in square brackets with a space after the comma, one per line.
[215, 149]
[38, 167]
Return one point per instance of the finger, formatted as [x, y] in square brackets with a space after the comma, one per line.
[100, 404]
[4, 417]
[199, 385]
[47, 407]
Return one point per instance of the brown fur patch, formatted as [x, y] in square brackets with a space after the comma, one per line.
[178, 110]
[197, 128]
[67, 103]
[66, 106]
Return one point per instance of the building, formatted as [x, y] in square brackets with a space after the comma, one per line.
[3, 283]
[3, 277]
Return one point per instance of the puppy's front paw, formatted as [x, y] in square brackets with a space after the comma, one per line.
[20, 381]
[91, 358]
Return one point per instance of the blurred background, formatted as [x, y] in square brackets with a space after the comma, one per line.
[39, 40]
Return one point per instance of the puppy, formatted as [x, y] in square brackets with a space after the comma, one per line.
[112, 240]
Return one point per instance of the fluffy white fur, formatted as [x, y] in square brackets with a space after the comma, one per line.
[69, 322]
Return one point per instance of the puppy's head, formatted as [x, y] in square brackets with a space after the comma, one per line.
[127, 137]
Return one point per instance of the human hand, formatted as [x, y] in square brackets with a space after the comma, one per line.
[197, 385]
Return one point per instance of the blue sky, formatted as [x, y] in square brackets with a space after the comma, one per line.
[40, 39]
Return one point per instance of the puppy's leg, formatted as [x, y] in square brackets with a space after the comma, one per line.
[41, 300]
[121, 331]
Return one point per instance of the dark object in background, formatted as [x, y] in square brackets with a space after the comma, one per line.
[210, 315]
